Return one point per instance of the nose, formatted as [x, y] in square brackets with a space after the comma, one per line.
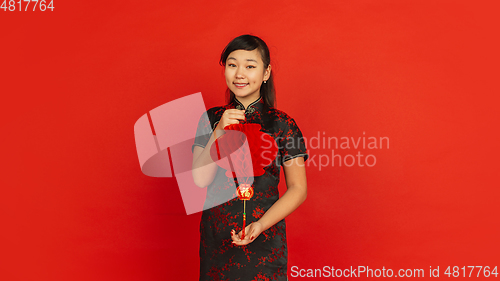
[240, 72]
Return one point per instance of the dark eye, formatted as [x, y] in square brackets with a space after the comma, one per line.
[250, 66]
[231, 65]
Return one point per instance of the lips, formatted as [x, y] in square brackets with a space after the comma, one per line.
[240, 85]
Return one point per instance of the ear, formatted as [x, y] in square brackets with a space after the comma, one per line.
[267, 72]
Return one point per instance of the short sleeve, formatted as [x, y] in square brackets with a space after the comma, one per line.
[292, 144]
[203, 132]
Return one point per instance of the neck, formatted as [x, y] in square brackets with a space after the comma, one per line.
[246, 101]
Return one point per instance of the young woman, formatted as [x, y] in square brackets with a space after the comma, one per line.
[262, 253]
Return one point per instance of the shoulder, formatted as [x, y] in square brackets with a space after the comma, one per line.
[282, 118]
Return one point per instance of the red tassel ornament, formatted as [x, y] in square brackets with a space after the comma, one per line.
[245, 150]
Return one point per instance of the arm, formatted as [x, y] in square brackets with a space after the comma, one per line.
[296, 182]
[204, 168]
[295, 195]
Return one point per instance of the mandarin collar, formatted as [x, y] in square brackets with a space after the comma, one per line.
[258, 104]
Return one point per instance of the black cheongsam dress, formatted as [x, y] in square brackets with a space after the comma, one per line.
[266, 257]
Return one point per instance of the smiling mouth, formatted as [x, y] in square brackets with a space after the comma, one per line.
[240, 85]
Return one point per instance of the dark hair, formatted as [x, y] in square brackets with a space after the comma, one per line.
[249, 43]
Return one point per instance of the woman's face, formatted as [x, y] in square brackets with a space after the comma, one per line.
[245, 73]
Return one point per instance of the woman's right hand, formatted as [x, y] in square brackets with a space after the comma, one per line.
[230, 116]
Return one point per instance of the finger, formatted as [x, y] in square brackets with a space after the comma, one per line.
[234, 119]
[242, 243]
[251, 234]
[237, 115]
[240, 234]
[235, 239]
[235, 236]
[234, 110]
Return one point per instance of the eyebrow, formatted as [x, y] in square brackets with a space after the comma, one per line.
[232, 58]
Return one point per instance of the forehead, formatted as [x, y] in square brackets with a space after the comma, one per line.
[244, 55]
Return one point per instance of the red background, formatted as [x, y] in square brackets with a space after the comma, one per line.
[75, 206]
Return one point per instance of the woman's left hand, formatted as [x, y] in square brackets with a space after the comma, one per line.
[252, 231]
